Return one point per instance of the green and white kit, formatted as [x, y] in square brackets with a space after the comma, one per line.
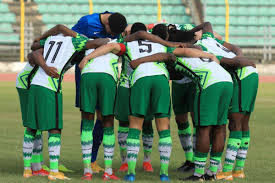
[22, 89]
[245, 79]
[212, 76]
[153, 78]
[98, 83]
[45, 95]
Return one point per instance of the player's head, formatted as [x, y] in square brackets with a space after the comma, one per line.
[198, 35]
[116, 24]
[138, 26]
[181, 36]
[161, 31]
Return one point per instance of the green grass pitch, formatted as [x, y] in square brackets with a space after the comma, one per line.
[260, 166]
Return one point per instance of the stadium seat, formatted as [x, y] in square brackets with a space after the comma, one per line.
[69, 11]
[9, 38]
[4, 8]
[169, 2]
[7, 17]
[5, 27]
[248, 19]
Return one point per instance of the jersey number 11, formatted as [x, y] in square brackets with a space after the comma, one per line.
[52, 43]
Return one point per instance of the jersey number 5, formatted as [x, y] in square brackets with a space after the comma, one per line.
[149, 47]
[52, 43]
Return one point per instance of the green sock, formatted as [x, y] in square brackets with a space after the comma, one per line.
[109, 146]
[37, 151]
[165, 148]
[54, 144]
[147, 139]
[215, 159]
[28, 148]
[200, 161]
[87, 144]
[41, 154]
[233, 146]
[122, 137]
[185, 134]
[133, 144]
[194, 142]
[242, 152]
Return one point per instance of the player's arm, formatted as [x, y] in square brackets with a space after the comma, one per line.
[158, 57]
[36, 45]
[39, 60]
[205, 27]
[217, 35]
[31, 59]
[57, 30]
[116, 48]
[236, 62]
[191, 52]
[91, 44]
[235, 49]
[147, 36]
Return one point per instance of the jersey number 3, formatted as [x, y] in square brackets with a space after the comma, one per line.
[52, 43]
[148, 49]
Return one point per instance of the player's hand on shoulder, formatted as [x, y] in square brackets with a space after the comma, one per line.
[52, 72]
[36, 39]
[176, 44]
[215, 59]
[135, 63]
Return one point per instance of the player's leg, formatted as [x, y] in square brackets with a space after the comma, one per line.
[147, 139]
[160, 107]
[29, 135]
[206, 115]
[139, 105]
[235, 127]
[165, 146]
[123, 130]
[249, 93]
[194, 133]
[183, 97]
[109, 145]
[133, 145]
[87, 143]
[121, 114]
[54, 145]
[185, 136]
[218, 136]
[233, 144]
[106, 97]
[37, 169]
[28, 143]
[242, 151]
[97, 140]
[201, 153]
[87, 105]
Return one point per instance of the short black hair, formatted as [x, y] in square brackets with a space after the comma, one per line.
[161, 31]
[180, 36]
[117, 23]
[138, 26]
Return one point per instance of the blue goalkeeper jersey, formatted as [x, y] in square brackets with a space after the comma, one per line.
[92, 27]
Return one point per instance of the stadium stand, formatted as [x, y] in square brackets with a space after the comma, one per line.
[250, 21]
[69, 11]
[7, 34]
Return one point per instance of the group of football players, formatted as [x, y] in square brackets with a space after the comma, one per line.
[210, 79]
